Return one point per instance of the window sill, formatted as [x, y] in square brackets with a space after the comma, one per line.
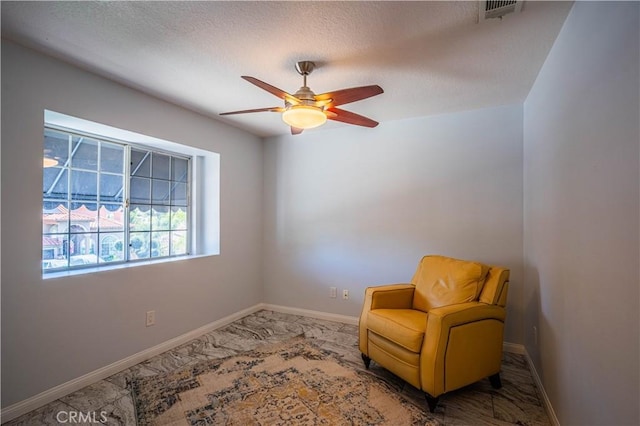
[126, 265]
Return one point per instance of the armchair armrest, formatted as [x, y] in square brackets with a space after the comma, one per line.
[391, 296]
[462, 313]
[463, 335]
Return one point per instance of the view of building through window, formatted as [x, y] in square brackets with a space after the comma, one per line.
[106, 202]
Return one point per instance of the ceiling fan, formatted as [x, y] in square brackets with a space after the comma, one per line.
[306, 110]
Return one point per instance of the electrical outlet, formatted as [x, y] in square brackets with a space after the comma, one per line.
[151, 318]
[345, 294]
[535, 335]
[333, 292]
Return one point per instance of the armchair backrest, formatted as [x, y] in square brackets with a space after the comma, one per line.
[495, 287]
[442, 281]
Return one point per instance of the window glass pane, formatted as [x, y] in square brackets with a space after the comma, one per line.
[55, 183]
[111, 187]
[179, 194]
[55, 217]
[84, 153]
[140, 163]
[139, 245]
[178, 218]
[140, 218]
[84, 249]
[50, 206]
[56, 146]
[161, 192]
[54, 251]
[84, 185]
[178, 243]
[160, 218]
[85, 259]
[179, 169]
[160, 244]
[161, 164]
[111, 158]
[140, 190]
[84, 217]
[112, 247]
[111, 217]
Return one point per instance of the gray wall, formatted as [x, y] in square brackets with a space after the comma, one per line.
[581, 151]
[352, 207]
[56, 330]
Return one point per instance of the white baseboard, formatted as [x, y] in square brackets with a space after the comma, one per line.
[514, 348]
[57, 392]
[517, 348]
[313, 314]
[545, 398]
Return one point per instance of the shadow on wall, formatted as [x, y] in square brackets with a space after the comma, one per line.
[539, 333]
[532, 312]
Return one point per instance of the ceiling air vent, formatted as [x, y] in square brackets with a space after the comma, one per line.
[497, 8]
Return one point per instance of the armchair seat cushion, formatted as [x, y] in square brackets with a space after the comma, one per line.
[404, 327]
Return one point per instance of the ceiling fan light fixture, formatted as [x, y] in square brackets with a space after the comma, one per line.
[306, 110]
[304, 116]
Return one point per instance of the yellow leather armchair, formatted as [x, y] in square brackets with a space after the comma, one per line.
[442, 331]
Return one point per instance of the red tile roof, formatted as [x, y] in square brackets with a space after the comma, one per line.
[50, 242]
[83, 214]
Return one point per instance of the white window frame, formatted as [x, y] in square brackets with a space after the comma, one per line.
[203, 222]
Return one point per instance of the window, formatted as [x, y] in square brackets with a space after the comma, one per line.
[158, 205]
[106, 202]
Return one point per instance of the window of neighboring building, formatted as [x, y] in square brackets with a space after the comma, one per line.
[107, 201]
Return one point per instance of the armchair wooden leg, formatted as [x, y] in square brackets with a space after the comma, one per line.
[431, 402]
[496, 383]
[367, 360]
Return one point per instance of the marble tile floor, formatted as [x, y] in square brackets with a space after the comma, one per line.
[517, 402]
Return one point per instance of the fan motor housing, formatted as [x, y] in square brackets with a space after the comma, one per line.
[305, 94]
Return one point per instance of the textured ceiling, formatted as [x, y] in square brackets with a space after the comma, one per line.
[429, 57]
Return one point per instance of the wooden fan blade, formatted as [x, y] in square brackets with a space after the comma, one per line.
[351, 118]
[345, 96]
[273, 90]
[246, 111]
[296, 131]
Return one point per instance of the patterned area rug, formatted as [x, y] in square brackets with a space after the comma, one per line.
[291, 383]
